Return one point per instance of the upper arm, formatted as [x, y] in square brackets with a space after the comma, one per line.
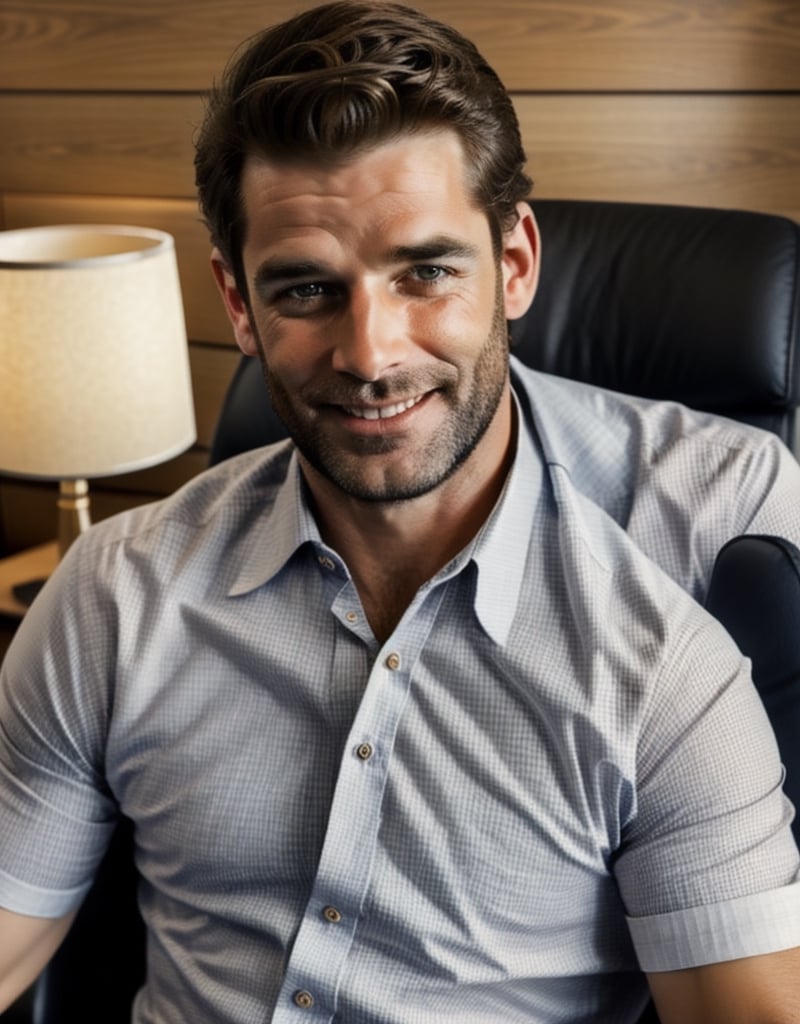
[771, 480]
[26, 945]
[753, 990]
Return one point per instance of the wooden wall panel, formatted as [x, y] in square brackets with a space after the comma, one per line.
[643, 45]
[721, 149]
[655, 100]
[132, 145]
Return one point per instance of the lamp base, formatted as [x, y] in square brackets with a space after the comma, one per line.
[73, 512]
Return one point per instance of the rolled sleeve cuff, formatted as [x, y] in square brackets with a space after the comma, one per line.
[764, 922]
[23, 898]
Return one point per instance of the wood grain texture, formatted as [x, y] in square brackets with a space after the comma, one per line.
[664, 45]
[726, 151]
[212, 369]
[721, 150]
[98, 144]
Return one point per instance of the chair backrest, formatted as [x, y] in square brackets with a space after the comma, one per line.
[755, 593]
[696, 305]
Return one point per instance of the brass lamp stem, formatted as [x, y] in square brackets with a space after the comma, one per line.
[73, 512]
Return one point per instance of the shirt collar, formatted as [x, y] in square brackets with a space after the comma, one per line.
[276, 536]
[499, 550]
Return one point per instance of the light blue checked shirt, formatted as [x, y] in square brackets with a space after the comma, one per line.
[554, 772]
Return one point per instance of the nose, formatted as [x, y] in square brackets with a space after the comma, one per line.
[371, 336]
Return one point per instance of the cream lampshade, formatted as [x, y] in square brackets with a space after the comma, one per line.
[94, 369]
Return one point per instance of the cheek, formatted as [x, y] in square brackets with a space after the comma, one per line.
[290, 349]
[456, 327]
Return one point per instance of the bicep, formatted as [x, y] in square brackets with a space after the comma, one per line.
[752, 990]
[711, 822]
[26, 945]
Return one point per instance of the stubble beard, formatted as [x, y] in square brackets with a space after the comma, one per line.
[442, 454]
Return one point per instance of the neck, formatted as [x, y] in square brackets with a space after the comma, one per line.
[392, 548]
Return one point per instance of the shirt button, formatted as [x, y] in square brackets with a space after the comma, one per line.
[326, 562]
[352, 617]
[303, 999]
[332, 915]
[364, 751]
[393, 661]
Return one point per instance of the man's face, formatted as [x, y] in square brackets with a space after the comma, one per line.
[376, 305]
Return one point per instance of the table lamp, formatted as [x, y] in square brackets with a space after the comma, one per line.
[94, 367]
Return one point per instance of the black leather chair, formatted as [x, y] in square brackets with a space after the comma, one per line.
[697, 305]
[754, 592]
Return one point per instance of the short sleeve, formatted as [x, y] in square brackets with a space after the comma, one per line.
[56, 812]
[709, 855]
[773, 475]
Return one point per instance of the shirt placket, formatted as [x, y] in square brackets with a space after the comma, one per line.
[327, 931]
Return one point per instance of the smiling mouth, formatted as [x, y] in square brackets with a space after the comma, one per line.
[385, 412]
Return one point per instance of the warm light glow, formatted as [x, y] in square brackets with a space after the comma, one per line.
[94, 369]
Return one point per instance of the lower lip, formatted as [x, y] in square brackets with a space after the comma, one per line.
[371, 428]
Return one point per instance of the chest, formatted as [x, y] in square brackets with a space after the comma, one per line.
[244, 763]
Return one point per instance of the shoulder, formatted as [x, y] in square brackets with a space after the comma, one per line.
[181, 543]
[680, 482]
[128, 579]
[226, 497]
[574, 418]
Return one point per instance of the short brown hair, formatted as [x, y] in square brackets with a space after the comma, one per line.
[339, 79]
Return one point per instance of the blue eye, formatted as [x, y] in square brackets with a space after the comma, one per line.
[307, 298]
[429, 272]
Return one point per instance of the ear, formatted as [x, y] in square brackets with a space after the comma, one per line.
[235, 305]
[520, 263]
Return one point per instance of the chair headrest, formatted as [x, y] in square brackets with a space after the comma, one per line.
[691, 304]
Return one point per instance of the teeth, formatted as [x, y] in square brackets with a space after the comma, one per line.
[385, 412]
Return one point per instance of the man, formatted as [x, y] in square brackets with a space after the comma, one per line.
[410, 728]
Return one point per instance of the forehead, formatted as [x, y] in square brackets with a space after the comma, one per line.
[416, 184]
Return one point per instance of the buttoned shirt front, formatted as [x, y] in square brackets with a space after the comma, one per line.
[555, 770]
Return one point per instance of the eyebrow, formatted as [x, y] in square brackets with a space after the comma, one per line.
[433, 249]
[274, 271]
[280, 271]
